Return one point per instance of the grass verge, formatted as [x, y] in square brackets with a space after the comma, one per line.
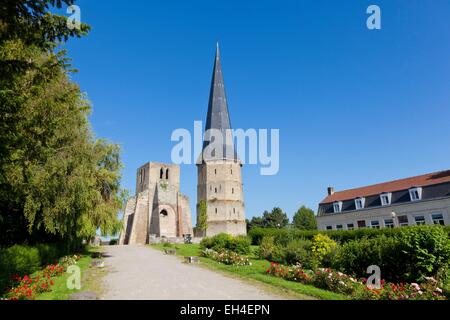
[256, 273]
[90, 279]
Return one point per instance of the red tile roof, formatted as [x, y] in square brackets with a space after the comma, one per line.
[391, 186]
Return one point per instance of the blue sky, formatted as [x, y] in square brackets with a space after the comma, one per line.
[354, 106]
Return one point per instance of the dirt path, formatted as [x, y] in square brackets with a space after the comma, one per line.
[141, 273]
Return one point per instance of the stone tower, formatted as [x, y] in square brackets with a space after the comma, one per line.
[158, 209]
[219, 169]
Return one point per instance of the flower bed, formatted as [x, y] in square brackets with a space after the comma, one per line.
[226, 257]
[356, 288]
[27, 287]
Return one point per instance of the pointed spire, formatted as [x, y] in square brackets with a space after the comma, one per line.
[218, 117]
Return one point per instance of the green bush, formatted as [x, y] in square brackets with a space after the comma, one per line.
[270, 251]
[25, 260]
[410, 256]
[299, 252]
[223, 241]
[284, 236]
[426, 252]
[19, 260]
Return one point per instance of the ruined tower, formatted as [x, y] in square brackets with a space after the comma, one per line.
[219, 168]
[158, 209]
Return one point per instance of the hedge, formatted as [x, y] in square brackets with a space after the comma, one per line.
[222, 241]
[22, 260]
[284, 236]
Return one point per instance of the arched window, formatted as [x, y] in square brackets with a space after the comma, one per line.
[215, 171]
[234, 210]
[231, 171]
[216, 210]
[161, 173]
[167, 174]
[232, 190]
[216, 190]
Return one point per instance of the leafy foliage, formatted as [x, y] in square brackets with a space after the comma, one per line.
[275, 219]
[57, 182]
[304, 219]
[223, 241]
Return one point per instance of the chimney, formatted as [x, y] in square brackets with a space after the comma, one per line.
[330, 191]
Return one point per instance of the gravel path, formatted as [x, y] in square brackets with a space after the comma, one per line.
[142, 273]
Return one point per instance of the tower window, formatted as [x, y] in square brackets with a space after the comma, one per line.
[234, 210]
[231, 171]
[216, 210]
[216, 190]
[164, 213]
[232, 190]
[215, 171]
[167, 174]
[161, 173]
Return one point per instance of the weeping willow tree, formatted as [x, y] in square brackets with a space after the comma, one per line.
[57, 181]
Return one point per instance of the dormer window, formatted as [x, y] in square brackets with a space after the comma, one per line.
[386, 198]
[359, 203]
[337, 206]
[415, 194]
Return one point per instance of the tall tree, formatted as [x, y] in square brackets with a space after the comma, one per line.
[255, 222]
[275, 219]
[57, 182]
[304, 219]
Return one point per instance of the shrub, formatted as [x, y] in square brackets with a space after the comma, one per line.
[270, 251]
[19, 260]
[355, 257]
[298, 252]
[322, 246]
[411, 255]
[223, 241]
[426, 252]
[240, 244]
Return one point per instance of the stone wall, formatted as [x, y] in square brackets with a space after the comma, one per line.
[220, 185]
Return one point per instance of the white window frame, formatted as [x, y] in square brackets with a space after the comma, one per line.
[403, 224]
[375, 226]
[433, 214]
[360, 203]
[390, 224]
[337, 206]
[415, 194]
[422, 222]
[386, 198]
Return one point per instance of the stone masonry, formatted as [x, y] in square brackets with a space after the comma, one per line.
[158, 209]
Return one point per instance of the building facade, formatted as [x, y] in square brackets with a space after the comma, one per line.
[416, 200]
[219, 169]
[158, 209]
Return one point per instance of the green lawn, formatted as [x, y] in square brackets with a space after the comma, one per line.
[257, 273]
[89, 280]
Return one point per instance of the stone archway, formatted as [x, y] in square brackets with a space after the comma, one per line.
[167, 221]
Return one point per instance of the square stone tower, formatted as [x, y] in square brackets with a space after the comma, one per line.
[219, 169]
[158, 209]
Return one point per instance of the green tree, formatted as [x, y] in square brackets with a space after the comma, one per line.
[57, 182]
[305, 219]
[275, 219]
[255, 222]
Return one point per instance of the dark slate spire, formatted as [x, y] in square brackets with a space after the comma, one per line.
[218, 117]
